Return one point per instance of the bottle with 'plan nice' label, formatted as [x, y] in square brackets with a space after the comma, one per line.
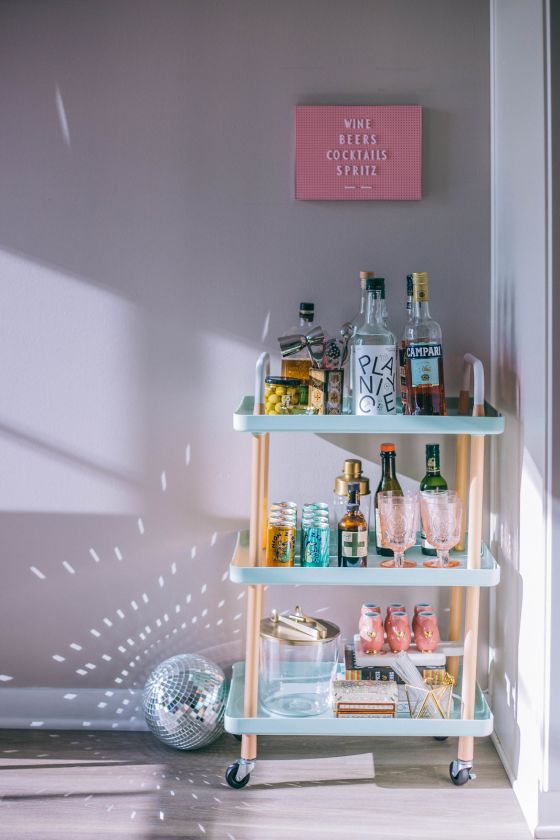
[373, 357]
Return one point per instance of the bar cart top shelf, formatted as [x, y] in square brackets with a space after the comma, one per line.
[395, 424]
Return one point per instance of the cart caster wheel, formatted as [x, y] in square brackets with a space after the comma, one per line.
[460, 773]
[440, 737]
[232, 777]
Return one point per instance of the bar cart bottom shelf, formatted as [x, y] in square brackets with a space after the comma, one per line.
[266, 723]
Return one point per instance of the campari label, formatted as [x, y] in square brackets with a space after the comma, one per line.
[424, 363]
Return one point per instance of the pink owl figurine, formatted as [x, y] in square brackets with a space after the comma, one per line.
[391, 609]
[369, 607]
[426, 634]
[371, 633]
[398, 632]
[418, 609]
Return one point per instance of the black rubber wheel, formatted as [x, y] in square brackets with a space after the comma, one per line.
[231, 777]
[462, 776]
[440, 737]
[237, 737]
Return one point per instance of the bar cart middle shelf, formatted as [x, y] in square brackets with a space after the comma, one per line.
[241, 570]
[470, 420]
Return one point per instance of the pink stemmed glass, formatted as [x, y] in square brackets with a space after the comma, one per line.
[399, 523]
[441, 520]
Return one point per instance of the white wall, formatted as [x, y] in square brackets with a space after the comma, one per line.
[150, 248]
[525, 660]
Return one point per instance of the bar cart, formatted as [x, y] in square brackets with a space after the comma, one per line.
[470, 420]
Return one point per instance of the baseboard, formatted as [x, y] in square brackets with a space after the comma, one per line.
[503, 758]
[547, 832]
[78, 708]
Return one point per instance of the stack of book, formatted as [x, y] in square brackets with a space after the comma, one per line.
[378, 672]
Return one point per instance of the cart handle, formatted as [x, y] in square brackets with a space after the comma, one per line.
[478, 386]
[262, 370]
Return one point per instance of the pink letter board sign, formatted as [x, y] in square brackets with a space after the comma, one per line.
[358, 153]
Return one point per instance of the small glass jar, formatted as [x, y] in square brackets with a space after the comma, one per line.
[298, 656]
[281, 394]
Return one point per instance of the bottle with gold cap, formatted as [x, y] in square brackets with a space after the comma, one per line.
[389, 481]
[425, 392]
[351, 474]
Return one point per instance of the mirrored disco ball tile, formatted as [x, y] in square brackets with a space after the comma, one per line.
[184, 701]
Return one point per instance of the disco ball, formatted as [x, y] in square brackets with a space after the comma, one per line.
[184, 701]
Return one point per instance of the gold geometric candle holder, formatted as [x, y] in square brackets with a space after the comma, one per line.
[435, 699]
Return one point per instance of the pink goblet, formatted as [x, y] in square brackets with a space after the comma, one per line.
[441, 520]
[399, 523]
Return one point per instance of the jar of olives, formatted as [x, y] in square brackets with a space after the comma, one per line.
[281, 394]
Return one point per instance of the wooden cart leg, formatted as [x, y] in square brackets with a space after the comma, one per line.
[466, 743]
[255, 592]
[461, 486]
[264, 494]
[455, 628]
[461, 481]
[254, 612]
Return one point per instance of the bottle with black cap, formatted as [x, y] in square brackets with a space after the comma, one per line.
[298, 365]
[353, 532]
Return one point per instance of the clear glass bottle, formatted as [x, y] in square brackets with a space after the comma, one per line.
[358, 318]
[433, 482]
[353, 532]
[402, 346]
[425, 392]
[373, 359]
[388, 481]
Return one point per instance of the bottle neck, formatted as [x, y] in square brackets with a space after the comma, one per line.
[421, 310]
[388, 466]
[353, 502]
[374, 308]
[363, 298]
[305, 322]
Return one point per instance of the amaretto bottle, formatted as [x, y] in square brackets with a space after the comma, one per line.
[425, 392]
[373, 357]
[298, 364]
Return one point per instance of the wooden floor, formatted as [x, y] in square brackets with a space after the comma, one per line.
[125, 785]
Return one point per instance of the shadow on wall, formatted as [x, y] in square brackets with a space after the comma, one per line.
[146, 204]
[510, 474]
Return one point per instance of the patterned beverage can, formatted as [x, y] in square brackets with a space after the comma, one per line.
[315, 540]
[280, 543]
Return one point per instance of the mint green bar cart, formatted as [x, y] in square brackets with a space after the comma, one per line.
[470, 419]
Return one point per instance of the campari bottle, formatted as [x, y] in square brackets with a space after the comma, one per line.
[425, 392]
[373, 357]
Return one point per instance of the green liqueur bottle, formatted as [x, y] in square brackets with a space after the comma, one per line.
[388, 481]
[353, 532]
[433, 482]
